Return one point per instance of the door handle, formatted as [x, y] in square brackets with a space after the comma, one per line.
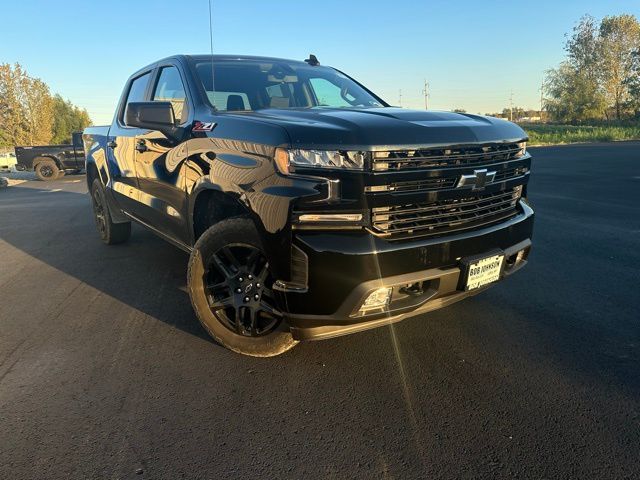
[112, 144]
[141, 146]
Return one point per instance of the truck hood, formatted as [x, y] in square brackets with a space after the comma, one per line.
[364, 128]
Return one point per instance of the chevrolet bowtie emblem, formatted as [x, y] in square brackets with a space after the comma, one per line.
[479, 179]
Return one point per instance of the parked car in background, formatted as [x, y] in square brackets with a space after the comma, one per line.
[7, 161]
[310, 207]
[52, 161]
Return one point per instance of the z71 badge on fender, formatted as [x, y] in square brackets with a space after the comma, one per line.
[203, 126]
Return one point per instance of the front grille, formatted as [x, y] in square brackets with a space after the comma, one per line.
[445, 216]
[443, 157]
[442, 183]
[510, 174]
[438, 183]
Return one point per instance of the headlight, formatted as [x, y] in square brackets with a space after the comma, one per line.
[318, 159]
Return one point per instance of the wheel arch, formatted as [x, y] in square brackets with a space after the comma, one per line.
[42, 158]
[92, 174]
[212, 205]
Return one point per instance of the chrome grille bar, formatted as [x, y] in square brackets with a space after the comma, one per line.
[446, 215]
[446, 157]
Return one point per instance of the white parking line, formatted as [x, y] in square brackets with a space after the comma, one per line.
[52, 190]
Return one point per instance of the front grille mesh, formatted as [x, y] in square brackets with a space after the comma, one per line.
[510, 174]
[443, 183]
[443, 157]
[427, 184]
[445, 216]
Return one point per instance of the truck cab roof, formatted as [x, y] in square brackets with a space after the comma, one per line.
[191, 58]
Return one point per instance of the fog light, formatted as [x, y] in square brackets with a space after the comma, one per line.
[522, 254]
[517, 192]
[377, 299]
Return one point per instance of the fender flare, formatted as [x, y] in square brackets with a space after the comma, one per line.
[204, 185]
[272, 242]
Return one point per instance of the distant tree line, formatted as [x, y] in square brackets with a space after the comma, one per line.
[600, 76]
[31, 115]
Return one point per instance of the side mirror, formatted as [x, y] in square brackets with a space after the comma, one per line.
[153, 116]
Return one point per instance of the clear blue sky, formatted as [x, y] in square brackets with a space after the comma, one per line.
[472, 52]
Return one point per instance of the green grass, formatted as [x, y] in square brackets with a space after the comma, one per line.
[554, 134]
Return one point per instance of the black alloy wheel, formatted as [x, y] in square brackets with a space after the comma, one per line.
[110, 232]
[99, 213]
[46, 171]
[238, 290]
[230, 280]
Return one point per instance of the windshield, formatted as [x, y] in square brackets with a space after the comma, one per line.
[253, 85]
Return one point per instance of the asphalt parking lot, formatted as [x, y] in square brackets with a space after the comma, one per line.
[106, 373]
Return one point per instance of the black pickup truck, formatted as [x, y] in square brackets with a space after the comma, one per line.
[310, 207]
[52, 161]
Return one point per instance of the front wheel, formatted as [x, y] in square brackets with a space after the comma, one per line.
[230, 286]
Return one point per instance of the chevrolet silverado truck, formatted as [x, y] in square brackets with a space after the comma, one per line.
[50, 162]
[310, 208]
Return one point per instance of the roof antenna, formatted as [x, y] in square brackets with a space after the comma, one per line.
[312, 60]
[213, 89]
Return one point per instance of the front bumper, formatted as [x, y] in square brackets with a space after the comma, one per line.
[344, 266]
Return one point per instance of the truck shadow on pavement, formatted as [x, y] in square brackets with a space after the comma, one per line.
[145, 273]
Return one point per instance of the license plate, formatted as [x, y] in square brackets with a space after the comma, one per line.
[483, 271]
